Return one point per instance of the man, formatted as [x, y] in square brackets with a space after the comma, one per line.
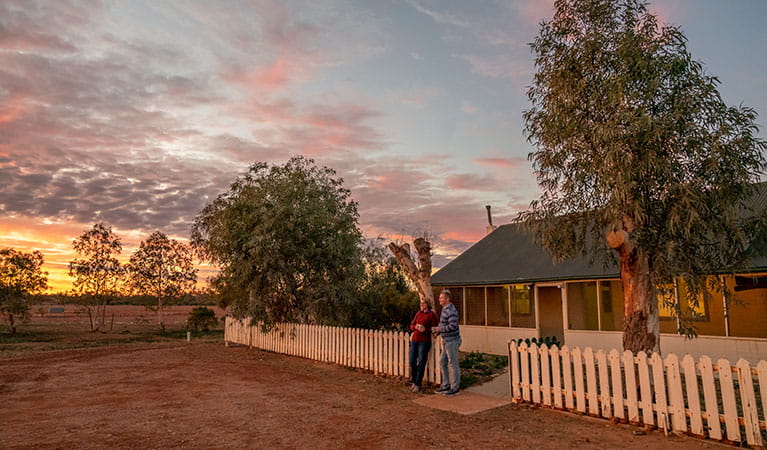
[451, 338]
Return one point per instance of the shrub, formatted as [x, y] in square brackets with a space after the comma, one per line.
[201, 319]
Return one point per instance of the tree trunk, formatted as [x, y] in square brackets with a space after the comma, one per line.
[159, 314]
[641, 328]
[419, 274]
[11, 324]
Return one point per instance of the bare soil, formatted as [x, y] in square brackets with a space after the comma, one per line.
[206, 395]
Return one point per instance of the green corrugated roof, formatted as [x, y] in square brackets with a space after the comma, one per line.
[509, 255]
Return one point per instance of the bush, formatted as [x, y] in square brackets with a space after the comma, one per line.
[201, 319]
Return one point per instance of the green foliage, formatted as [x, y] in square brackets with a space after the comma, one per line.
[385, 299]
[21, 276]
[201, 319]
[633, 136]
[97, 271]
[476, 367]
[163, 269]
[287, 244]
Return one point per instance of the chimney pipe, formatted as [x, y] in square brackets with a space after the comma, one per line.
[489, 229]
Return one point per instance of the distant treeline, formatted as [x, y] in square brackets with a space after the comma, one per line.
[196, 298]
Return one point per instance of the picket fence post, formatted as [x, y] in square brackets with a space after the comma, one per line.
[728, 400]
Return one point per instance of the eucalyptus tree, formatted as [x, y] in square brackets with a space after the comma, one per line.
[637, 152]
[162, 268]
[21, 276]
[286, 240]
[97, 271]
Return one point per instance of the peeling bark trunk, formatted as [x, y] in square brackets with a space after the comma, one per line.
[641, 328]
[419, 274]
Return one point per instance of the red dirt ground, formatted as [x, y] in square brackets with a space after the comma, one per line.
[206, 395]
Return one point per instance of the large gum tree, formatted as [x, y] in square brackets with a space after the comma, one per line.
[286, 240]
[637, 155]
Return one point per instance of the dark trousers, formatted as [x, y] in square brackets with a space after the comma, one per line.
[419, 353]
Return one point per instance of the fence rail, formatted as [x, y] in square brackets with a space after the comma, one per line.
[716, 400]
[383, 352]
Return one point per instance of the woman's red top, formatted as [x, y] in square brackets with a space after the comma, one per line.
[426, 318]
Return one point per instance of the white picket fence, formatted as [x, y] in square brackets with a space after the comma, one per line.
[688, 396]
[383, 352]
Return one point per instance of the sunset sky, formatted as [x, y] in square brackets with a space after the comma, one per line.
[139, 113]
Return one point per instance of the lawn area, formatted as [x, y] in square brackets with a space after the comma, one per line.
[126, 324]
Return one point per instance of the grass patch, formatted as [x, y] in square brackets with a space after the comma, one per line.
[478, 368]
[47, 332]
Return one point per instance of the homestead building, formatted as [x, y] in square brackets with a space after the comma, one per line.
[507, 287]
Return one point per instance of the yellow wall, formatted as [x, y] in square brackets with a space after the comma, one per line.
[748, 311]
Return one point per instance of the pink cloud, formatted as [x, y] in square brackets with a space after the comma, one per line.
[512, 163]
[473, 182]
[536, 10]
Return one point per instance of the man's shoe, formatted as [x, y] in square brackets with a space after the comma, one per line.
[442, 390]
[451, 393]
[415, 390]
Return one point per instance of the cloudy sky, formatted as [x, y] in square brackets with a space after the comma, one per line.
[138, 113]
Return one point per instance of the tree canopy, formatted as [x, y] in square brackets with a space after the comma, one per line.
[162, 268]
[21, 275]
[286, 240]
[637, 151]
[97, 271]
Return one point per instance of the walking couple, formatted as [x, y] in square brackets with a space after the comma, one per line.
[425, 324]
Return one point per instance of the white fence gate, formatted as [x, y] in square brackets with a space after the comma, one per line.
[383, 352]
[703, 398]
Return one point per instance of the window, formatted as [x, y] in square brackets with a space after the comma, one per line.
[498, 306]
[475, 306]
[582, 306]
[611, 298]
[520, 299]
[522, 311]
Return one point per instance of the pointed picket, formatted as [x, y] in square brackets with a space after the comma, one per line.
[567, 377]
[659, 383]
[713, 423]
[591, 381]
[524, 357]
[616, 376]
[675, 393]
[748, 404]
[693, 395]
[514, 373]
[761, 371]
[545, 374]
[535, 373]
[645, 389]
[556, 376]
[630, 374]
[728, 400]
[580, 391]
[604, 386]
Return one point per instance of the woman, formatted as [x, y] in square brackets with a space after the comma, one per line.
[420, 343]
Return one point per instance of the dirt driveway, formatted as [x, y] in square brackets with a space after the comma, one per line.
[206, 395]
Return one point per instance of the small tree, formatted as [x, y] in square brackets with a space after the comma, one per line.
[162, 268]
[21, 276]
[201, 319]
[97, 271]
[287, 243]
[637, 152]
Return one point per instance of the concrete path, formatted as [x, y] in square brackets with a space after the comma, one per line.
[497, 387]
[472, 400]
